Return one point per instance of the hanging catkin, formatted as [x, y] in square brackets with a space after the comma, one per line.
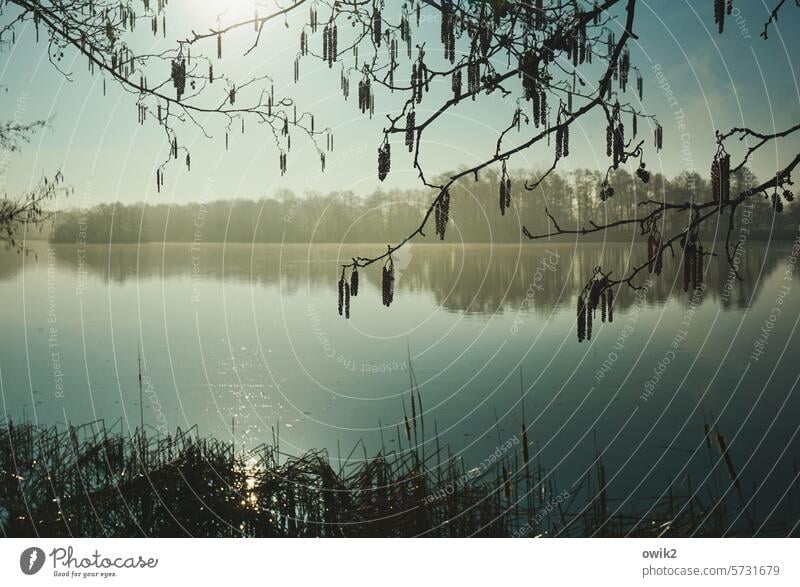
[589, 319]
[699, 267]
[456, 84]
[387, 283]
[473, 77]
[219, 46]
[341, 294]
[654, 252]
[442, 213]
[619, 144]
[179, 75]
[721, 176]
[377, 23]
[719, 14]
[688, 265]
[505, 190]
[448, 36]
[346, 300]
[410, 123]
[610, 302]
[603, 306]
[384, 160]
[365, 100]
[354, 282]
[581, 319]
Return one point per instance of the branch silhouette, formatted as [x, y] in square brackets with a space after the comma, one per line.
[552, 63]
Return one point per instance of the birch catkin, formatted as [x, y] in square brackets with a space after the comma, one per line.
[442, 213]
[387, 283]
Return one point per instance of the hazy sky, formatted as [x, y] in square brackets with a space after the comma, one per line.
[717, 82]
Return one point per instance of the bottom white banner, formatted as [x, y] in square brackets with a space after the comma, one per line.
[400, 562]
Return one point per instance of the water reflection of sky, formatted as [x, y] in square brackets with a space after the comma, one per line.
[254, 355]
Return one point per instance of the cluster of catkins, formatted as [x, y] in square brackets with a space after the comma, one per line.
[313, 20]
[655, 252]
[344, 297]
[577, 46]
[539, 99]
[441, 213]
[410, 125]
[456, 84]
[179, 75]
[692, 261]
[615, 137]
[658, 137]
[473, 77]
[505, 190]
[419, 79]
[529, 70]
[366, 99]
[484, 30]
[599, 295]
[384, 160]
[122, 61]
[377, 25]
[303, 42]
[387, 283]
[405, 30]
[392, 60]
[344, 84]
[448, 34]
[562, 139]
[721, 176]
[141, 110]
[624, 70]
[720, 8]
[329, 43]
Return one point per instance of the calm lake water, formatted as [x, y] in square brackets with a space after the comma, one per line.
[244, 340]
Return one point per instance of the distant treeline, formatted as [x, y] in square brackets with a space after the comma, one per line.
[388, 216]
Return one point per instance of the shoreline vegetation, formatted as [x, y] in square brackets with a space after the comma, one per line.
[384, 217]
[94, 481]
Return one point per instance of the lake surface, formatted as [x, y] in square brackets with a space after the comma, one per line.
[245, 342]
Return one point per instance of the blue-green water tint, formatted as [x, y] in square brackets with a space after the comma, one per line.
[243, 340]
